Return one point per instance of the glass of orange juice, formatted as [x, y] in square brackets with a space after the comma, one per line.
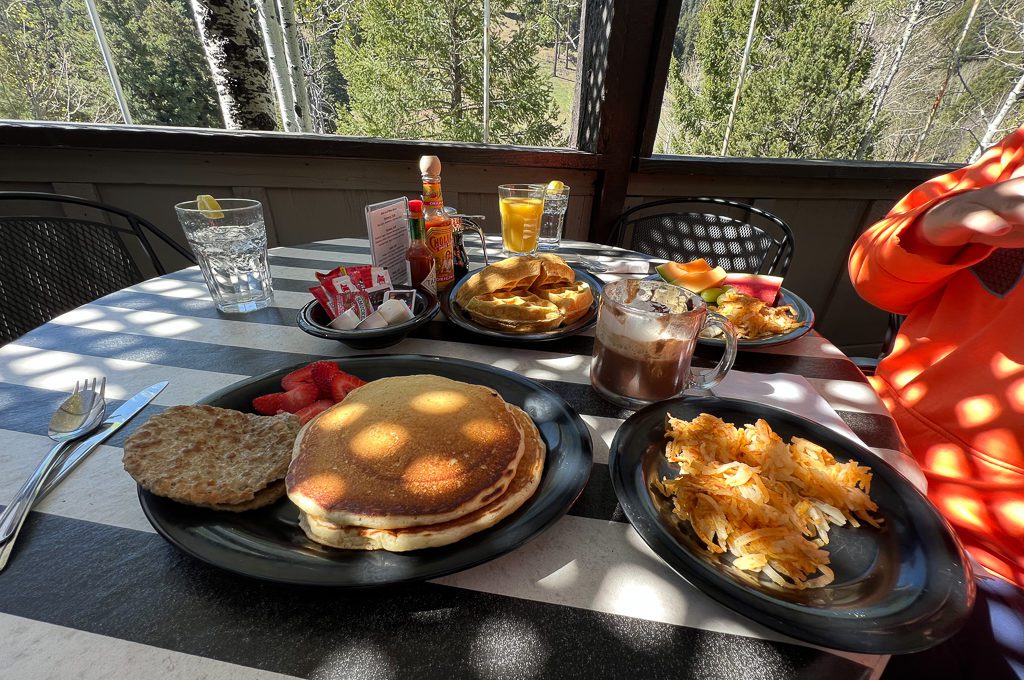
[521, 208]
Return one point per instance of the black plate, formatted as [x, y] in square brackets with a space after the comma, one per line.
[268, 543]
[804, 314]
[899, 589]
[462, 320]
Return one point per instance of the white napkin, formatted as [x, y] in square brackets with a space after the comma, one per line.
[795, 394]
[622, 266]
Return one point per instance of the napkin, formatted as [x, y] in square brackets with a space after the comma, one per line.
[621, 266]
[795, 394]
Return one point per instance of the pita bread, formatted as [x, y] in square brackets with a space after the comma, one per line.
[211, 457]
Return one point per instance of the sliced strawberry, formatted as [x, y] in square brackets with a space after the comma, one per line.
[268, 404]
[323, 373]
[316, 408]
[297, 377]
[299, 397]
[342, 384]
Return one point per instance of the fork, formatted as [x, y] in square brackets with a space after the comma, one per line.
[78, 415]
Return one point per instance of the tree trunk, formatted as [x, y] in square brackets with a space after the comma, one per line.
[300, 93]
[238, 63]
[954, 63]
[557, 33]
[915, 14]
[993, 125]
[273, 38]
[740, 76]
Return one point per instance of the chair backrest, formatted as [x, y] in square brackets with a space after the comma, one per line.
[52, 264]
[706, 230]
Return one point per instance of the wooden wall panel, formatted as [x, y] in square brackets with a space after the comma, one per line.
[859, 325]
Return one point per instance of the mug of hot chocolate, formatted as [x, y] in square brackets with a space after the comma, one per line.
[646, 333]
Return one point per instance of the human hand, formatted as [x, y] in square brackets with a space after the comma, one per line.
[992, 215]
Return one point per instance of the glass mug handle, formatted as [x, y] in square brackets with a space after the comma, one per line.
[467, 223]
[705, 380]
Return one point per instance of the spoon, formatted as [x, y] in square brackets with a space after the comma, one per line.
[77, 416]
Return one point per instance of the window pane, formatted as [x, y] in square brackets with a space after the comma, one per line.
[375, 68]
[899, 80]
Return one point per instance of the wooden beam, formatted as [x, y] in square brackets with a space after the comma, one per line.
[662, 59]
[151, 138]
[634, 78]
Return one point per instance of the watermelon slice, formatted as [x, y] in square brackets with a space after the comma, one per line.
[761, 286]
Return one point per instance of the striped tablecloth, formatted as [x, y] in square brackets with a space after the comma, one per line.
[92, 592]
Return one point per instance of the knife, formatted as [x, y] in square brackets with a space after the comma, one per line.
[114, 422]
[111, 424]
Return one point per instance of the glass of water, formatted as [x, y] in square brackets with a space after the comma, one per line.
[231, 246]
[552, 220]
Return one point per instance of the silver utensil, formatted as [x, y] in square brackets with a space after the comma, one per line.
[111, 424]
[78, 415]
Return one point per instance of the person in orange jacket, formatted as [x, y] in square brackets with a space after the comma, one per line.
[950, 256]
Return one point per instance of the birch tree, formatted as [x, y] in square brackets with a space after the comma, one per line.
[1007, 48]
[273, 39]
[296, 72]
[954, 64]
[912, 20]
[230, 34]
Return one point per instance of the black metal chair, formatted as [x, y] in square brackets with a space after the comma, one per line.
[868, 365]
[50, 265]
[730, 242]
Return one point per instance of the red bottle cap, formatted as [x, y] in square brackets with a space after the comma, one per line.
[416, 207]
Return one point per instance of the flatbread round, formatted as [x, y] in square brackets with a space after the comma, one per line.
[211, 457]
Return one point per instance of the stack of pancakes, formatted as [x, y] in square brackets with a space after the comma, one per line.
[525, 294]
[413, 462]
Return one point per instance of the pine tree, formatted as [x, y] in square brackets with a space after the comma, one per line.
[50, 65]
[803, 95]
[160, 62]
[415, 71]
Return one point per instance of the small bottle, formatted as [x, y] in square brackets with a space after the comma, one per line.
[439, 236]
[418, 255]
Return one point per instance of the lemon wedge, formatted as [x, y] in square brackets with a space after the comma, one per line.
[209, 206]
[555, 187]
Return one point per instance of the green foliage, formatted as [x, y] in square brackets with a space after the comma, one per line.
[803, 92]
[415, 71]
[160, 62]
[50, 65]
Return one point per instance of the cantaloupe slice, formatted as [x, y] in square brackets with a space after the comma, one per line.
[696, 276]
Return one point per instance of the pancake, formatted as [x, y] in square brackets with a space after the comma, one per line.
[522, 488]
[405, 451]
[212, 457]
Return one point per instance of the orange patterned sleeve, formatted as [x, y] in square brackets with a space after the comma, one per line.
[895, 279]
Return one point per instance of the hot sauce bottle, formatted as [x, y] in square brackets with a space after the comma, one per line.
[439, 228]
[418, 255]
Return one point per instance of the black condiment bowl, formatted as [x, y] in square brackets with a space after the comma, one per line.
[313, 319]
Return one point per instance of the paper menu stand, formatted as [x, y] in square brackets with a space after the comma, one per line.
[387, 226]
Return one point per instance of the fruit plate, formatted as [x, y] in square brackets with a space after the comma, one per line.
[462, 320]
[268, 544]
[898, 589]
[804, 314]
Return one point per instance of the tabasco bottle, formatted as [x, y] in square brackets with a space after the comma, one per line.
[439, 228]
[418, 255]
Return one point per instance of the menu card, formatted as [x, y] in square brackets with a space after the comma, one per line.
[387, 226]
